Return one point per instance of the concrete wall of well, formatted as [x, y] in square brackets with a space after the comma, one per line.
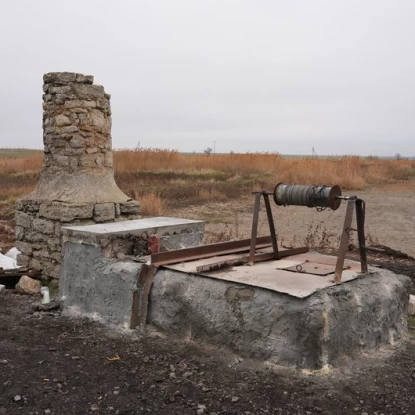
[359, 315]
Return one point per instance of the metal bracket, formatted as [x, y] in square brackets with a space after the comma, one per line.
[352, 202]
[255, 219]
[141, 295]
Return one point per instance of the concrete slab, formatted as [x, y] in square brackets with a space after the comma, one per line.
[155, 225]
[273, 276]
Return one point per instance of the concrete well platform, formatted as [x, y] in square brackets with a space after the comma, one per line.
[263, 311]
[131, 237]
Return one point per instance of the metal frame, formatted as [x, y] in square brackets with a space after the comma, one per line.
[254, 231]
[352, 203]
[267, 244]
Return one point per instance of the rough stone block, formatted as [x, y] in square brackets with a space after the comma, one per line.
[70, 129]
[103, 104]
[73, 163]
[42, 253]
[104, 212]
[87, 160]
[24, 247]
[74, 152]
[61, 161]
[19, 232]
[73, 104]
[57, 256]
[180, 241]
[27, 205]
[77, 142]
[27, 285]
[90, 104]
[66, 212]
[36, 263]
[59, 89]
[130, 207]
[59, 78]
[61, 98]
[85, 91]
[62, 120]
[23, 219]
[91, 150]
[54, 244]
[45, 226]
[79, 111]
[84, 79]
[23, 260]
[34, 237]
[97, 118]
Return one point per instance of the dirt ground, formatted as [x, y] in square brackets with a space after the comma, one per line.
[50, 364]
[390, 212]
[53, 365]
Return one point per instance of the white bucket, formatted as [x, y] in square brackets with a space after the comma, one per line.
[45, 295]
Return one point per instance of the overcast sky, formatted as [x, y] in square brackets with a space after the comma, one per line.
[245, 76]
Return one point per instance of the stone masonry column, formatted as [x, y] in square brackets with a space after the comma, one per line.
[77, 183]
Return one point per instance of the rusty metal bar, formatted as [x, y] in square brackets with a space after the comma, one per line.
[140, 296]
[373, 249]
[244, 259]
[360, 220]
[271, 225]
[254, 230]
[206, 251]
[344, 240]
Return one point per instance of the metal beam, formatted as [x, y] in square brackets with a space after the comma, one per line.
[206, 251]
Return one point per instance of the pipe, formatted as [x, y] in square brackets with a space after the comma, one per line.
[310, 196]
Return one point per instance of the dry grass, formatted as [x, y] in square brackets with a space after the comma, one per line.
[167, 178]
[151, 205]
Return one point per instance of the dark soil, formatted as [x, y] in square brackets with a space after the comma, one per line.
[50, 364]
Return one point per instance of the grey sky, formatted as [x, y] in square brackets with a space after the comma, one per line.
[252, 76]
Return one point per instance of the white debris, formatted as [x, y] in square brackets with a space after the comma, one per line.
[411, 306]
[12, 253]
[7, 263]
[9, 260]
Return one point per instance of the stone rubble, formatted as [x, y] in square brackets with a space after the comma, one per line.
[77, 183]
[27, 285]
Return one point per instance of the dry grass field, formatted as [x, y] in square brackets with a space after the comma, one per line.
[163, 179]
[217, 189]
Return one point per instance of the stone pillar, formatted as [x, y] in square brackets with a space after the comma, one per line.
[77, 183]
